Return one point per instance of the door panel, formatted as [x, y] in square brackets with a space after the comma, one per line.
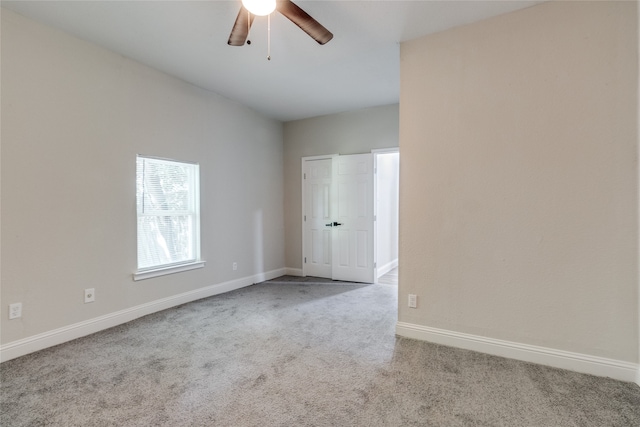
[342, 247]
[317, 211]
[362, 249]
[352, 253]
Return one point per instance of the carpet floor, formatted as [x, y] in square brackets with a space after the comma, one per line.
[294, 353]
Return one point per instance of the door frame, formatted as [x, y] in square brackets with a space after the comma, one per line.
[302, 179]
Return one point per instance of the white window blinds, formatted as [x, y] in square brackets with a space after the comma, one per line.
[167, 198]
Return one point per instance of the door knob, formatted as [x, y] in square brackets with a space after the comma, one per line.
[335, 224]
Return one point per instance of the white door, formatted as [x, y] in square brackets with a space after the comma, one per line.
[339, 219]
[352, 248]
[317, 214]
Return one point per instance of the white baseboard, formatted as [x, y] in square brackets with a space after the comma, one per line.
[294, 272]
[58, 336]
[616, 369]
[387, 267]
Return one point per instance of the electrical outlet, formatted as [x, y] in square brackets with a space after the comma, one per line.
[235, 266]
[15, 310]
[413, 301]
[89, 295]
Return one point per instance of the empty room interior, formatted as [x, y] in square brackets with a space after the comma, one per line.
[507, 291]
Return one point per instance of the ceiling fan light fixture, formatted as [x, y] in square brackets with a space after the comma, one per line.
[260, 7]
[293, 13]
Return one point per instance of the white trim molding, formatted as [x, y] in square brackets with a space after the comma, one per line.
[147, 274]
[385, 150]
[67, 333]
[600, 366]
[387, 267]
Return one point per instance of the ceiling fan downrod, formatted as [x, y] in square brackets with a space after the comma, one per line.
[248, 27]
[269, 37]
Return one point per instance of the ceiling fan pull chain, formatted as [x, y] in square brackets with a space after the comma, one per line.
[269, 37]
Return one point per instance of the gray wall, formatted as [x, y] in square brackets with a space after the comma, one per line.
[519, 178]
[346, 133]
[74, 116]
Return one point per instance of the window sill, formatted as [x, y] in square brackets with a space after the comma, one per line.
[148, 274]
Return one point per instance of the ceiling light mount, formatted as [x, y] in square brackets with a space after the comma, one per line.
[260, 7]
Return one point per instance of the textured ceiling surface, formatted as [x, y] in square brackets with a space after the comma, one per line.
[359, 68]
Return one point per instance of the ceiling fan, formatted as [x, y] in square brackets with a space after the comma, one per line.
[247, 13]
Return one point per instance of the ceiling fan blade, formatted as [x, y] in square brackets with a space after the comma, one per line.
[240, 29]
[304, 21]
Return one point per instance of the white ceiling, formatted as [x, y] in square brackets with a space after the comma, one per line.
[359, 68]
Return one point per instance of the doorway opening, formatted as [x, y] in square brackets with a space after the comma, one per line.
[387, 188]
[350, 216]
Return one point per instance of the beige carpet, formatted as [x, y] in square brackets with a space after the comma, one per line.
[285, 353]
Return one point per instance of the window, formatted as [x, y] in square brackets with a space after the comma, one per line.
[167, 199]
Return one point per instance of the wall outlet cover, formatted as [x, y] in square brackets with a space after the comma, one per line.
[89, 295]
[15, 310]
[413, 301]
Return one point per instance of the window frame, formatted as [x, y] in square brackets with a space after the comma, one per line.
[175, 267]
